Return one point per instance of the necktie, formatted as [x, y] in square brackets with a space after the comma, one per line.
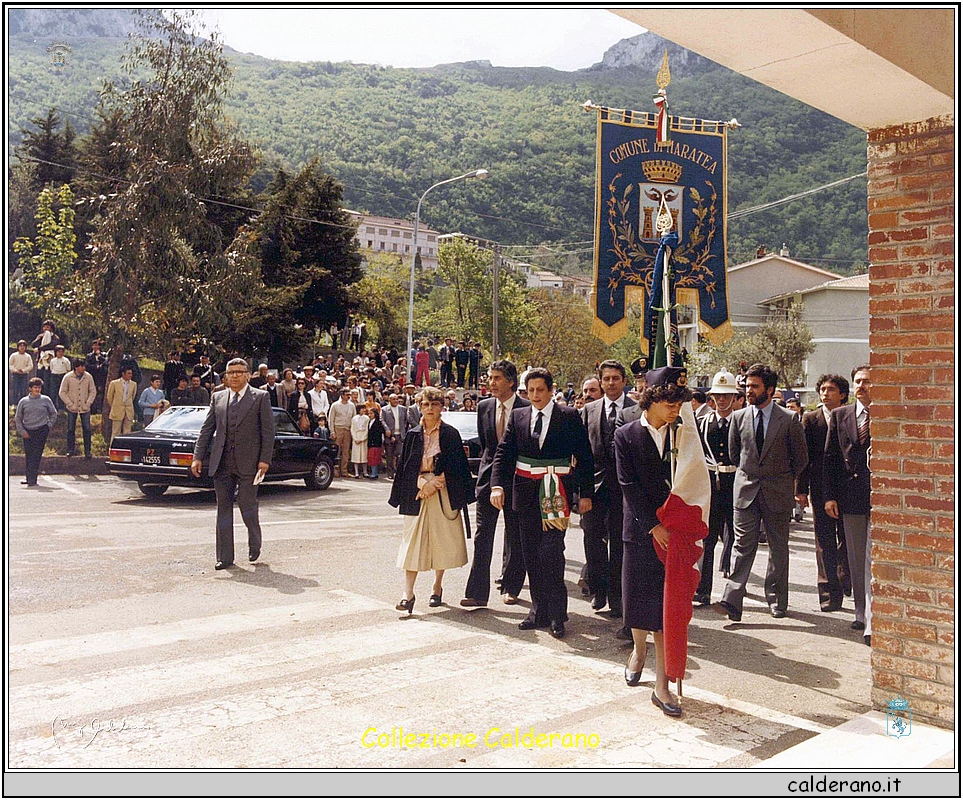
[863, 428]
[608, 425]
[500, 422]
[760, 432]
[537, 431]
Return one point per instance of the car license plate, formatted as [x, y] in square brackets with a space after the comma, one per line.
[151, 458]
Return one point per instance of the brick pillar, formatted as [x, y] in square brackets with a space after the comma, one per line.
[911, 288]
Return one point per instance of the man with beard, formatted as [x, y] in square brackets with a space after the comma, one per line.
[768, 446]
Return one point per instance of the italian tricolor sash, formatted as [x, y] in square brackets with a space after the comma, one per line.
[552, 500]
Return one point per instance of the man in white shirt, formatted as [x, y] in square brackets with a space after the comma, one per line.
[21, 365]
[59, 366]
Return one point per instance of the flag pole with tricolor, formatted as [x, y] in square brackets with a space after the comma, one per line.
[685, 514]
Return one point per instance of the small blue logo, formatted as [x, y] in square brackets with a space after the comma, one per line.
[899, 718]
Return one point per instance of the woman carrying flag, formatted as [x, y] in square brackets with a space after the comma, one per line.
[644, 451]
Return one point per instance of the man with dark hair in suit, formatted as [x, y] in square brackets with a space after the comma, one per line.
[846, 488]
[602, 526]
[832, 569]
[461, 363]
[768, 446]
[174, 370]
[545, 457]
[238, 434]
[493, 415]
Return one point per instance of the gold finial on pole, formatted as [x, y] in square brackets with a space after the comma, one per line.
[663, 78]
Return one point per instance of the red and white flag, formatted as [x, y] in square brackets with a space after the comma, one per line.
[686, 515]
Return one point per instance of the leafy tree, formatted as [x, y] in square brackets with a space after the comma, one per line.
[563, 339]
[306, 240]
[162, 264]
[461, 304]
[782, 342]
[787, 342]
[51, 147]
[381, 298]
[47, 261]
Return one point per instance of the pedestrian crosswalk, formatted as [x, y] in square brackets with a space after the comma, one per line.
[319, 684]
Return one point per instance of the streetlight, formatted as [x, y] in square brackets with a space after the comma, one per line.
[475, 173]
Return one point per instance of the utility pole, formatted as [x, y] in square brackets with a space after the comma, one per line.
[496, 261]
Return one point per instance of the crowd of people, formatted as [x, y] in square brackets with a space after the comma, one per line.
[544, 452]
[603, 451]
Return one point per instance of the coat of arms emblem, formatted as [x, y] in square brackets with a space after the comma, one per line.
[59, 53]
[899, 718]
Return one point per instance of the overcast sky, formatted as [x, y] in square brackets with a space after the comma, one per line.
[563, 38]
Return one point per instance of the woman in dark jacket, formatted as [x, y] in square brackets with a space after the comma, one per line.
[642, 462]
[431, 487]
[299, 405]
[376, 440]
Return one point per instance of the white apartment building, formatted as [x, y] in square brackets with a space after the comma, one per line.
[390, 235]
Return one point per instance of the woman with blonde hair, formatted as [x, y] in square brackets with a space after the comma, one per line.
[432, 485]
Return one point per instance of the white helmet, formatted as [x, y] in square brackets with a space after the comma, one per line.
[724, 383]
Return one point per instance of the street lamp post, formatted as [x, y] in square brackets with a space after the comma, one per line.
[475, 173]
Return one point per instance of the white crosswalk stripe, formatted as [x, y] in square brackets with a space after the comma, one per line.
[191, 711]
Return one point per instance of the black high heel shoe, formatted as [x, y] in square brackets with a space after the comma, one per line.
[632, 678]
[406, 605]
[434, 601]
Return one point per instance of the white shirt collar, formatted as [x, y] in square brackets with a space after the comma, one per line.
[658, 434]
[509, 404]
[619, 403]
[241, 393]
[546, 415]
[860, 408]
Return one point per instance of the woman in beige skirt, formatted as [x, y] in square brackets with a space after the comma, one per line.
[432, 485]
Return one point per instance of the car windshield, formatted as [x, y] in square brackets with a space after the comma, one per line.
[184, 419]
[465, 421]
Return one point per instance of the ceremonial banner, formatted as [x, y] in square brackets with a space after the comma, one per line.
[636, 176]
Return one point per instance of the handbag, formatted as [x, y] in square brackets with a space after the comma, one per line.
[304, 421]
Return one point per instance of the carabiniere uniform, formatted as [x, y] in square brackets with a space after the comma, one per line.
[714, 432]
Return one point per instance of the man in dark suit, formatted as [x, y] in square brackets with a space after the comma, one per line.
[238, 434]
[767, 444]
[846, 488]
[545, 457]
[493, 415]
[446, 360]
[394, 417]
[832, 568]
[602, 526]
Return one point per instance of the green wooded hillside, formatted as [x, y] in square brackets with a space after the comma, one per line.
[388, 134]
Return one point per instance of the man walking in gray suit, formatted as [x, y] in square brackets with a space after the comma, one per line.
[767, 444]
[239, 435]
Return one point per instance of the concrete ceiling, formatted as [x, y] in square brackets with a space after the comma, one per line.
[873, 68]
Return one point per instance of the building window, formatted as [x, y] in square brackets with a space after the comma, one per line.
[369, 229]
[407, 248]
[407, 234]
[395, 234]
[382, 231]
[370, 244]
[394, 247]
[382, 245]
[431, 238]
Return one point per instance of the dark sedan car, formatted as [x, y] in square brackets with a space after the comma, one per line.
[466, 422]
[160, 455]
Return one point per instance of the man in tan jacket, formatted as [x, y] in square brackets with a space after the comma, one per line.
[77, 393]
[120, 397]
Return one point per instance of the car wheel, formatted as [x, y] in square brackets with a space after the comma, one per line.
[152, 489]
[322, 474]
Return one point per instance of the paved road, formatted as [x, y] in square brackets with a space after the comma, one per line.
[116, 614]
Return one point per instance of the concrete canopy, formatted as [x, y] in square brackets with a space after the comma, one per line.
[869, 67]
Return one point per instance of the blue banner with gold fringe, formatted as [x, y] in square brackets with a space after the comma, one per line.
[636, 176]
